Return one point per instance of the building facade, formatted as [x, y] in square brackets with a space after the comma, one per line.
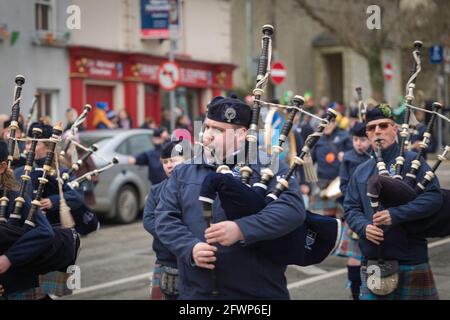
[114, 63]
[33, 39]
[314, 60]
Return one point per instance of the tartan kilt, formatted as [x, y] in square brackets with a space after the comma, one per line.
[21, 295]
[155, 289]
[53, 283]
[348, 247]
[416, 282]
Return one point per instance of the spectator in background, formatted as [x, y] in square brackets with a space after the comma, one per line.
[149, 123]
[166, 118]
[112, 116]
[183, 122]
[71, 116]
[44, 120]
[124, 120]
[3, 118]
[100, 120]
[151, 158]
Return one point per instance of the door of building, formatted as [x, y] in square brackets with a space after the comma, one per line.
[152, 103]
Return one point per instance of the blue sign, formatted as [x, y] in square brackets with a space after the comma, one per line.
[156, 18]
[436, 54]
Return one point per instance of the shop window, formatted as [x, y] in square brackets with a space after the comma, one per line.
[44, 15]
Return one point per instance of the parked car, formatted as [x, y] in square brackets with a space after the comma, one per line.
[121, 191]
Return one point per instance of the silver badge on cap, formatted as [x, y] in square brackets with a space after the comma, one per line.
[230, 114]
[178, 148]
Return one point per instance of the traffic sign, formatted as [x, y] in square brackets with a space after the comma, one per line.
[388, 71]
[278, 73]
[436, 54]
[169, 76]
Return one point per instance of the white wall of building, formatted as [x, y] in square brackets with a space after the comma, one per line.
[115, 25]
[44, 67]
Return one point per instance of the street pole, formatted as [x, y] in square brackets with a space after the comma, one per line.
[172, 92]
[440, 99]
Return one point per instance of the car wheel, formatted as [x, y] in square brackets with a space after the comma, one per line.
[127, 205]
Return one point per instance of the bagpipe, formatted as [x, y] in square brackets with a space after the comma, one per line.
[64, 248]
[65, 245]
[318, 235]
[399, 190]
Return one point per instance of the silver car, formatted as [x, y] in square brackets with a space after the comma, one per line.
[121, 191]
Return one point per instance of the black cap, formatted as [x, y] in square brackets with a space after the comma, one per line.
[229, 110]
[359, 130]
[3, 151]
[7, 123]
[158, 132]
[172, 149]
[381, 111]
[46, 130]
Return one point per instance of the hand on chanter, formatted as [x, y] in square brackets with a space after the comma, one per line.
[204, 255]
[374, 234]
[226, 233]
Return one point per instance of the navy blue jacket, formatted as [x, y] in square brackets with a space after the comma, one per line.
[242, 273]
[399, 245]
[339, 140]
[152, 160]
[29, 246]
[163, 255]
[352, 160]
[74, 198]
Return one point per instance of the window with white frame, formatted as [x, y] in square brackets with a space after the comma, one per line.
[44, 14]
[46, 104]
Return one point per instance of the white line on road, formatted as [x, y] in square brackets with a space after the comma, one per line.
[321, 277]
[114, 283]
[309, 270]
[438, 243]
[293, 285]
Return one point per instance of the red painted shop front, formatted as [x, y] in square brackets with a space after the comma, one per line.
[102, 76]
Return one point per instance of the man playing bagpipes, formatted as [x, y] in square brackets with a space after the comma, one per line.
[53, 283]
[328, 155]
[225, 247]
[14, 282]
[165, 273]
[395, 262]
[349, 245]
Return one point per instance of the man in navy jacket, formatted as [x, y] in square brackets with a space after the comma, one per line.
[385, 227]
[166, 261]
[241, 272]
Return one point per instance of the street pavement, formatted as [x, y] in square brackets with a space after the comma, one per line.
[116, 263]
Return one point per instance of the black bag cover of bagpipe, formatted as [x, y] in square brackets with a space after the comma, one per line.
[435, 226]
[308, 244]
[61, 254]
[85, 220]
[395, 192]
[9, 234]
